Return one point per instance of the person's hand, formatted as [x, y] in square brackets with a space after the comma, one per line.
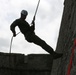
[33, 21]
[14, 35]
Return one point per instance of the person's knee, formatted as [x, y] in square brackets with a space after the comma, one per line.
[28, 39]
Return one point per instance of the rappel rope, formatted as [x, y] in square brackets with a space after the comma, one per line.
[36, 10]
[19, 32]
[11, 44]
[12, 41]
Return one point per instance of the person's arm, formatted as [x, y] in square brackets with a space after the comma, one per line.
[12, 28]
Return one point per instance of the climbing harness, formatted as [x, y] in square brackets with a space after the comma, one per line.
[32, 20]
[71, 59]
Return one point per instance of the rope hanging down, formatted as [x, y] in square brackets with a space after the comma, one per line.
[71, 59]
[11, 42]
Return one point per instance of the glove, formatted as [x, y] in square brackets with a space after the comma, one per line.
[14, 35]
[33, 21]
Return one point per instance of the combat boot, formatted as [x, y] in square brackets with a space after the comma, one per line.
[57, 55]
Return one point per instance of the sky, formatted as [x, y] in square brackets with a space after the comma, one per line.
[47, 24]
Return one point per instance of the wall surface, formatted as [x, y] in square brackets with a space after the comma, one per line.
[66, 38]
[19, 64]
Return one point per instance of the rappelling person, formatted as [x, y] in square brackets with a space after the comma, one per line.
[29, 33]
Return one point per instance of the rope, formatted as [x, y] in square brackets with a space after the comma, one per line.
[11, 42]
[37, 7]
[71, 59]
[36, 10]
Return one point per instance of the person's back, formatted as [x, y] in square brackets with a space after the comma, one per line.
[23, 26]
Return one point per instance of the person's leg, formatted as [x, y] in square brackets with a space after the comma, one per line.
[36, 40]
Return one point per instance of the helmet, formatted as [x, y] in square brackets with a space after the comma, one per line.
[24, 12]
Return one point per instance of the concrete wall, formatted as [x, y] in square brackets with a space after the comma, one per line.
[65, 43]
[19, 64]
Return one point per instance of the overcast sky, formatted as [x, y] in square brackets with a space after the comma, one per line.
[48, 20]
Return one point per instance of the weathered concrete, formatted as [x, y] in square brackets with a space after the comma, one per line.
[65, 43]
[19, 64]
